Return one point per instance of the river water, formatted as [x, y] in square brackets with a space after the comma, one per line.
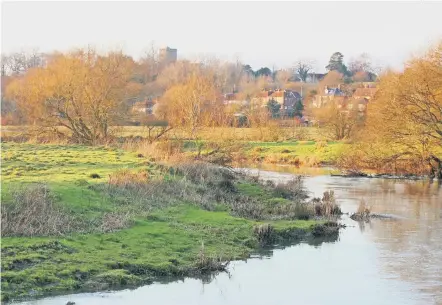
[381, 262]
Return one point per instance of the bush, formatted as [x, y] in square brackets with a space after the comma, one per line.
[293, 189]
[264, 233]
[327, 206]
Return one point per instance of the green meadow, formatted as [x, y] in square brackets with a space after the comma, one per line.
[116, 219]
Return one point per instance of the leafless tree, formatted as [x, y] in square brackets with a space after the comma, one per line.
[150, 63]
[302, 68]
[361, 63]
[19, 62]
[281, 78]
[4, 64]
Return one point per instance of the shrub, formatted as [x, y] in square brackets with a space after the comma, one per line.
[327, 206]
[264, 233]
[293, 189]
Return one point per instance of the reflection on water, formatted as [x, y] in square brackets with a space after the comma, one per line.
[396, 261]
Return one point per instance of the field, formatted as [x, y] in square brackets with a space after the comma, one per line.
[111, 219]
[299, 146]
[206, 133]
[306, 153]
[298, 153]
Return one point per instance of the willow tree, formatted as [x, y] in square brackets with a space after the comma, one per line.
[405, 117]
[338, 123]
[79, 95]
[191, 105]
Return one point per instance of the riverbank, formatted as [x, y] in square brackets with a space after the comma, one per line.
[296, 153]
[78, 218]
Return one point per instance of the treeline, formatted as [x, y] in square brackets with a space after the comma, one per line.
[150, 77]
[86, 93]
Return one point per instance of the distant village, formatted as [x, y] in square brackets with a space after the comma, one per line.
[293, 99]
[347, 97]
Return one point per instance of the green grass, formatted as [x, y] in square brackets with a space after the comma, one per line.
[165, 242]
[299, 152]
[66, 169]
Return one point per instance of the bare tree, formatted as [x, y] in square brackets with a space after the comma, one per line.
[4, 64]
[150, 63]
[19, 62]
[302, 67]
[281, 78]
[34, 59]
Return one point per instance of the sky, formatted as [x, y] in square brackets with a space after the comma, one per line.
[272, 34]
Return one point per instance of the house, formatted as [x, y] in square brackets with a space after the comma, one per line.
[232, 98]
[364, 93]
[329, 94]
[314, 77]
[333, 91]
[357, 104]
[145, 106]
[286, 98]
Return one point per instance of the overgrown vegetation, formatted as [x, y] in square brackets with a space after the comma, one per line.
[77, 218]
[403, 133]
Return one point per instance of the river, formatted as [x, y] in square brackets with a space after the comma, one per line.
[381, 262]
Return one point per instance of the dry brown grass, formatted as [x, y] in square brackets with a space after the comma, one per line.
[327, 205]
[33, 212]
[171, 151]
[124, 178]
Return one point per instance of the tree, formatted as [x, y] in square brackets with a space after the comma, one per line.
[361, 68]
[336, 63]
[274, 107]
[83, 92]
[338, 123]
[248, 70]
[298, 109]
[190, 105]
[281, 78]
[4, 65]
[362, 76]
[263, 72]
[177, 73]
[332, 79]
[404, 120]
[259, 118]
[302, 68]
[150, 63]
[19, 62]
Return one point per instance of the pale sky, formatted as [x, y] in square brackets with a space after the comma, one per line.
[259, 33]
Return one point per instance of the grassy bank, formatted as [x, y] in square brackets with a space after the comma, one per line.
[299, 146]
[77, 218]
[298, 153]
